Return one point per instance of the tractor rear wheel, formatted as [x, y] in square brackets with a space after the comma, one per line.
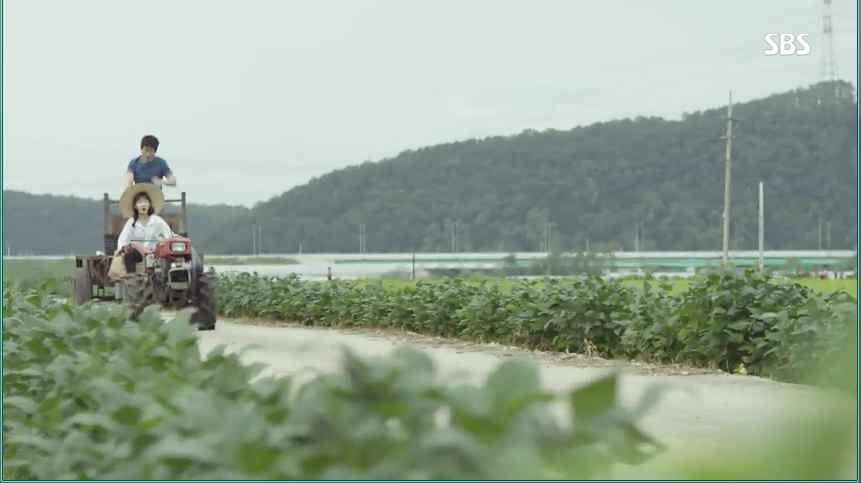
[139, 293]
[82, 287]
[204, 316]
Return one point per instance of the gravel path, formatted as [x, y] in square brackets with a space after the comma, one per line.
[708, 407]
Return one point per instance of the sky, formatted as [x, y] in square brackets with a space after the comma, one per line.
[251, 98]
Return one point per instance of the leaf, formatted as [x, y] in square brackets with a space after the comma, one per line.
[595, 398]
[513, 378]
[24, 404]
[90, 419]
[31, 440]
[453, 452]
[29, 372]
[416, 361]
[516, 404]
[634, 451]
[127, 415]
[256, 458]
[174, 447]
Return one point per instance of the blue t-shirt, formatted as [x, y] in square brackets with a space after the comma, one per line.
[144, 172]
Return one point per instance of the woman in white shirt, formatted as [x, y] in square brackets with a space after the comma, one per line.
[144, 228]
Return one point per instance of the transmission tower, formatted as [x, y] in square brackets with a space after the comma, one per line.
[828, 63]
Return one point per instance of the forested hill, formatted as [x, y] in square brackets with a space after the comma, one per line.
[595, 184]
[63, 225]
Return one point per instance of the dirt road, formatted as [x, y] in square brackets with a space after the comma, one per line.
[711, 407]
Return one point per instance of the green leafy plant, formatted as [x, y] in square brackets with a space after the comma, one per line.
[736, 321]
[90, 394]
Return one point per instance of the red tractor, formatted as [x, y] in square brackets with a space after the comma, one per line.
[171, 274]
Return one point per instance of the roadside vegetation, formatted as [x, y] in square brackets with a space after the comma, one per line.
[740, 323]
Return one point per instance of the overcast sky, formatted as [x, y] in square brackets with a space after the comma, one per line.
[250, 98]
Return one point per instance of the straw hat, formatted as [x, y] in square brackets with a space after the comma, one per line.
[156, 198]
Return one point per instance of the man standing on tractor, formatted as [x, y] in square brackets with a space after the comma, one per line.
[149, 168]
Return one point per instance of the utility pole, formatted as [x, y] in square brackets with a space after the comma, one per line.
[544, 239]
[828, 235]
[547, 231]
[260, 239]
[549, 237]
[253, 239]
[727, 181]
[637, 236]
[820, 233]
[761, 229]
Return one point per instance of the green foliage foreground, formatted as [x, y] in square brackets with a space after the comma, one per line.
[91, 395]
[736, 322]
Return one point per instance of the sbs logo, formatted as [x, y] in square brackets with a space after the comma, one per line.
[787, 44]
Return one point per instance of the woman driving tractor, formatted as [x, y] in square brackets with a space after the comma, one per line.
[140, 203]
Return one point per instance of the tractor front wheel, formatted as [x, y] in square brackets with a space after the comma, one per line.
[204, 317]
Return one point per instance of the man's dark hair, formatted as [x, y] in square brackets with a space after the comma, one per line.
[151, 141]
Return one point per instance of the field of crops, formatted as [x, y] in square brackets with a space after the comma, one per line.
[746, 323]
[89, 394]
[30, 273]
[676, 285]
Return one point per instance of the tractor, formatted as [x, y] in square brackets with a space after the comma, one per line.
[171, 274]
